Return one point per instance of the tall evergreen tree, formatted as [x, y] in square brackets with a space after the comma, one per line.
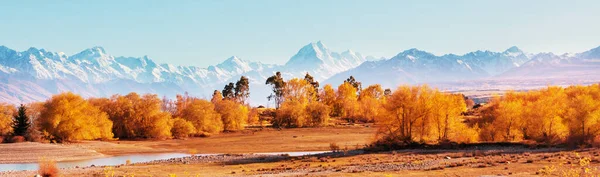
[21, 122]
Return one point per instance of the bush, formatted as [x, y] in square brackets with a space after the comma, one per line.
[334, 147]
[182, 128]
[48, 169]
[69, 117]
[318, 114]
[17, 139]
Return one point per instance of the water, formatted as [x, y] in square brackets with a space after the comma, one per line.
[136, 158]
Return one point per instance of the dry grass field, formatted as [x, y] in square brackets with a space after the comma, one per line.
[473, 161]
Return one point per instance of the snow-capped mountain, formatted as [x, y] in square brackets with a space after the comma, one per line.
[36, 74]
[414, 66]
[94, 72]
[317, 59]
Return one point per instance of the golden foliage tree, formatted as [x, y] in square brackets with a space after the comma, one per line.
[202, 115]
[406, 113]
[6, 118]
[447, 119]
[317, 114]
[68, 117]
[583, 115]
[347, 106]
[291, 113]
[233, 114]
[370, 102]
[138, 116]
[182, 128]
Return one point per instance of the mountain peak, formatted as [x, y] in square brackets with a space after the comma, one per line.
[234, 59]
[591, 54]
[513, 49]
[415, 53]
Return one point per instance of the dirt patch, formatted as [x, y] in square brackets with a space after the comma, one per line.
[30, 152]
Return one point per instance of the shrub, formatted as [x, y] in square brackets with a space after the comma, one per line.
[182, 128]
[334, 147]
[202, 114]
[233, 114]
[318, 114]
[17, 139]
[69, 117]
[48, 169]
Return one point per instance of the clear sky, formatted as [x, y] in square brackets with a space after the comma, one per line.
[203, 32]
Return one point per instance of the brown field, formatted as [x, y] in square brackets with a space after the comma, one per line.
[249, 141]
[501, 161]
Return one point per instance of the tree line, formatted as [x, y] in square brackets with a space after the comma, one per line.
[405, 115]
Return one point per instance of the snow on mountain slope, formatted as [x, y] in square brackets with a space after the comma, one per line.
[414, 67]
[36, 74]
[319, 61]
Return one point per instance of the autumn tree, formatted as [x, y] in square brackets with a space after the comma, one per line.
[406, 113]
[21, 122]
[202, 115]
[233, 114]
[446, 118]
[300, 108]
[6, 114]
[347, 106]
[508, 118]
[328, 96]
[136, 116]
[68, 117]
[277, 84]
[315, 84]
[216, 97]
[544, 115]
[292, 113]
[583, 115]
[370, 101]
[357, 85]
[317, 114]
[182, 128]
[168, 105]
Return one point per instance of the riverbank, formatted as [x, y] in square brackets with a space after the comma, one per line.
[494, 161]
[249, 141]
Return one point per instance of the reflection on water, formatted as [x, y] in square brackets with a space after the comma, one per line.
[119, 160]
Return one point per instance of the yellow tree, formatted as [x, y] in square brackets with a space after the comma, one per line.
[68, 117]
[328, 97]
[405, 114]
[182, 128]
[299, 90]
[317, 114]
[509, 117]
[138, 116]
[291, 113]
[6, 118]
[544, 115]
[583, 115]
[202, 115]
[233, 114]
[447, 119]
[370, 101]
[347, 106]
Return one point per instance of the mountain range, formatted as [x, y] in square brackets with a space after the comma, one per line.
[36, 74]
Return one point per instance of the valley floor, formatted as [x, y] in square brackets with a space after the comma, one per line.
[476, 161]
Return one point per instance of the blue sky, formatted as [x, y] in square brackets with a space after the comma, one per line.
[203, 32]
